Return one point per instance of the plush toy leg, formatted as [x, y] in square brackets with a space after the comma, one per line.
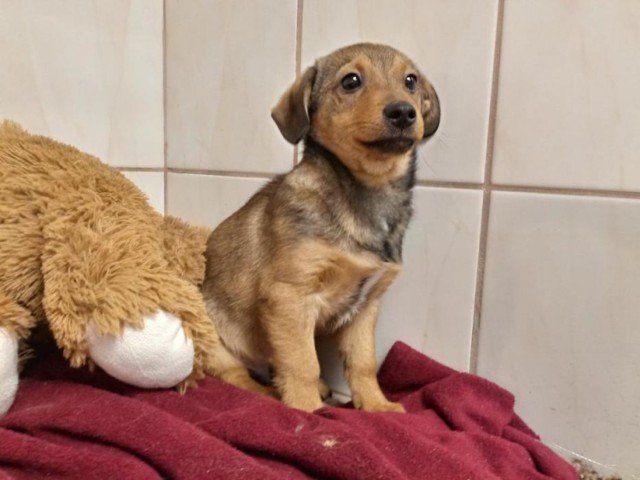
[104, 270]
[8, 369]
[103, 265]
[158, 355]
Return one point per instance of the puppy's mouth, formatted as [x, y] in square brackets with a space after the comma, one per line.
[392, 144]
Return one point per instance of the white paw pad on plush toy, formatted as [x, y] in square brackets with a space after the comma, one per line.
[8, 370]
[157, 356]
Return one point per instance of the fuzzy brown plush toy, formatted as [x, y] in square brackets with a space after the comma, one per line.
[117, 283]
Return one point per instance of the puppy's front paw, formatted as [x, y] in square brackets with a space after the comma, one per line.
[307, 403]
[381, 406]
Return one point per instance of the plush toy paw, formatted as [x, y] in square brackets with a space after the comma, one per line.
[157, 356]
[8, 370]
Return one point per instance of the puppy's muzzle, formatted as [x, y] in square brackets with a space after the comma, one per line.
[400, 114]
[399, 118]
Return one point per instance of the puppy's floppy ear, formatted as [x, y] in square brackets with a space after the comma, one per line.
[291, 114]
[430, 108]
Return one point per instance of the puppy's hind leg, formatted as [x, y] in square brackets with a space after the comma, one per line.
[228, 368]
[324, 389]
[223, 364]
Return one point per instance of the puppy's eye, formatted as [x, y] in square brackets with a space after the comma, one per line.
[411, 82]
[351, 81]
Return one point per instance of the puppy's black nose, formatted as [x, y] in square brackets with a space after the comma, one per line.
[400, 114]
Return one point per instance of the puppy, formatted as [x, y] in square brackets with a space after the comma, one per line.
[312, 252]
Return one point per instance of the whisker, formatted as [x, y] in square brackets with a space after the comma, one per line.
[423, 161]
[442, 142]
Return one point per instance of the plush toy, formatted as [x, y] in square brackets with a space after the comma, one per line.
[115, 282]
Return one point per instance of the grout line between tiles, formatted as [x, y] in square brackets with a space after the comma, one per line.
[486, 196]
[423, 183]
[485, 187]
[221, 173]
[577, 192]
[449, 184]
[164, 106]
[480, 269]
[299, 12]
[141, 169]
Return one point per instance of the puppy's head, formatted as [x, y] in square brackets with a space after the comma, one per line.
[366, 103]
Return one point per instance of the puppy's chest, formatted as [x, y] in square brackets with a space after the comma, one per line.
[373, 229]
[355, 302]
[349, 287]
[381, 230]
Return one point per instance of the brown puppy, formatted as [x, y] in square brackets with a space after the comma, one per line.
[313, 250]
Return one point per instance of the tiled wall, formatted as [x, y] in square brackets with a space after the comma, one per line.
[89, 73]
[523, 259]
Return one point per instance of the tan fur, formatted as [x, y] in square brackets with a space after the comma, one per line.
[344, 124]
[16, 319]
[344, 121]
[305, 256]
[79, 243]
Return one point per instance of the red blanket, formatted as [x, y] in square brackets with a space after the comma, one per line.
[72, 424]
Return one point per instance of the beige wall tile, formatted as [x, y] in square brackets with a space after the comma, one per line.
[227, 63]
[452, 42]
[88, 73]
[208, 199]
[560, 322]
[152, 184]
[569, 103]
[430, 306]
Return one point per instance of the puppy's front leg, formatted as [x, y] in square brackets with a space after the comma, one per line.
[290, 325]
[356, 342]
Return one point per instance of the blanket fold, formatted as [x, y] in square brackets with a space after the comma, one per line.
[69, 423]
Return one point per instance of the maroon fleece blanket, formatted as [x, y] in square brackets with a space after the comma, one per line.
[72, 424]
